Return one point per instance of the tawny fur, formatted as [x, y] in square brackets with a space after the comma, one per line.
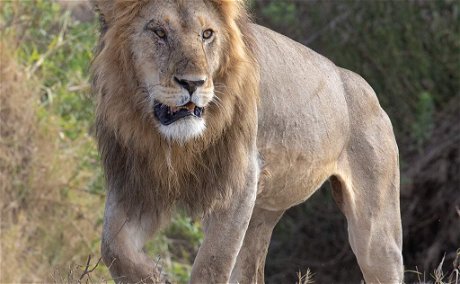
[280, 120]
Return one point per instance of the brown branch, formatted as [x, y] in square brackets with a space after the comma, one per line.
[87, 271]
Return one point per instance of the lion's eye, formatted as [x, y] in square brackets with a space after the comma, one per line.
[207, 34]
[160, 33]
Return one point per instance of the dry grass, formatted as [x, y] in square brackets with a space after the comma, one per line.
[306, 278]
[17, 144]
[47, 218]
[442, 275]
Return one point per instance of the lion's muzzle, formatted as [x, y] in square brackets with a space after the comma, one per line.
[189, 85]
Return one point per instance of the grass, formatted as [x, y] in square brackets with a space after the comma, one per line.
[441, 274]
[306, 278]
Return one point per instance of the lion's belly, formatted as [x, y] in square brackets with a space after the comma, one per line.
[289, 178]
[299, 145]
[298, 151]
[296, 158]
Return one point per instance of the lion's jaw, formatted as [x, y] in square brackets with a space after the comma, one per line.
[184, 129]
[175, 64]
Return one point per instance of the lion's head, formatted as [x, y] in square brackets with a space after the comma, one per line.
[177, 89]
[167, 61]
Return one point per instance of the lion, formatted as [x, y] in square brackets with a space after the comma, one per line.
[199, 108]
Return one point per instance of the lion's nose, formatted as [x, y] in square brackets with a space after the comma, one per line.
[189, 85]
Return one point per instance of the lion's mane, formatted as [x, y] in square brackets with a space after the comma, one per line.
[140, 165]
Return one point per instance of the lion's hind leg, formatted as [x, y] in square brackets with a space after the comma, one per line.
[367, 191]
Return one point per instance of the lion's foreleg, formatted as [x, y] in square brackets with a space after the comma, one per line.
[224, 230]
[249, 267]
[123, 238]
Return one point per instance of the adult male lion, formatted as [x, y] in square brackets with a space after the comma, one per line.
[199, 108]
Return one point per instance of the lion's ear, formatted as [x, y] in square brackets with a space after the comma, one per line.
[105, 10]
[230, 8]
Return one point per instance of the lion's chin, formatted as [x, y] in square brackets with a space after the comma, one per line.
[183, 130]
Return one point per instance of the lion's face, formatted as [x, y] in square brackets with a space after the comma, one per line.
[176, 51]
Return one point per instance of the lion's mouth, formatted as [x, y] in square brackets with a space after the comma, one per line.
[167, 115]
